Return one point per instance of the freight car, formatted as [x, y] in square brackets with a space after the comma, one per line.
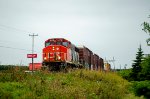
[90, 60]
[101, 64]
[85, 57]
[60, 53]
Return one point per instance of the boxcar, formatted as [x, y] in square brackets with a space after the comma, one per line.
[85, 56]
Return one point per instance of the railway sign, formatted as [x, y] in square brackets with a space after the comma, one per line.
[31, 55]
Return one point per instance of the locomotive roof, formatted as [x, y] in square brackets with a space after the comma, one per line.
[57, 39]
[82, 46]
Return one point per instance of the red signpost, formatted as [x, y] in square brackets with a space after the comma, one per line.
[36, 66]
[31, 55]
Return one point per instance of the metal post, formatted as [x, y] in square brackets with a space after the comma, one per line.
[120, 67]
[114, 63]
[33, 48]
[125, 66]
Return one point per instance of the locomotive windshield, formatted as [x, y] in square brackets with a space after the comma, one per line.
[65, 44]
[56, 43]
[47, 44]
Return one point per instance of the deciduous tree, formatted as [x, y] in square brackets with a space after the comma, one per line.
[146, 27]
[145, 73]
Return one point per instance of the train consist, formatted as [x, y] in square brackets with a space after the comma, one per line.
[60, 53]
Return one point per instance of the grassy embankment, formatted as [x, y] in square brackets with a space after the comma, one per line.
[79, 84]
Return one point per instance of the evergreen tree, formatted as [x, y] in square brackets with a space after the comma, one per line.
[136, 66]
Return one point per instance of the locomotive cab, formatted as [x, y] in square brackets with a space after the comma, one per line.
[56, 50]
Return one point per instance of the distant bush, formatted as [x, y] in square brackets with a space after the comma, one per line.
[125, 74]
[12, 67]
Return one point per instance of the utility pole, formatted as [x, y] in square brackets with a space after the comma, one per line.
[125, 66]
[113, 60]
[120, 67]
[33, 35]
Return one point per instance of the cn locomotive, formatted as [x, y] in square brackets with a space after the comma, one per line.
[60, 53]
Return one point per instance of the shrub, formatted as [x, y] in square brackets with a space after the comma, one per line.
[79, 84]
[141, 88]
[125, 74]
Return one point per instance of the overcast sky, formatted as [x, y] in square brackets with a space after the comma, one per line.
[110, 28]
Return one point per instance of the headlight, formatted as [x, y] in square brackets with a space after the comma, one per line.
[59, 57]
[45, 58]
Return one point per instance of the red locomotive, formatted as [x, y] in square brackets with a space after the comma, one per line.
[60, 53]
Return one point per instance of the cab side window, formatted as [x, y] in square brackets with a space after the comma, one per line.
[65, 44]
[47, 44]
[52, 43]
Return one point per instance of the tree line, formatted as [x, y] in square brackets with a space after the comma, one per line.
[139, 74]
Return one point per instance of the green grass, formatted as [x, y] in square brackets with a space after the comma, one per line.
[79, 84]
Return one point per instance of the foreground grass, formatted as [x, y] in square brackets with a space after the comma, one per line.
[80, 84]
